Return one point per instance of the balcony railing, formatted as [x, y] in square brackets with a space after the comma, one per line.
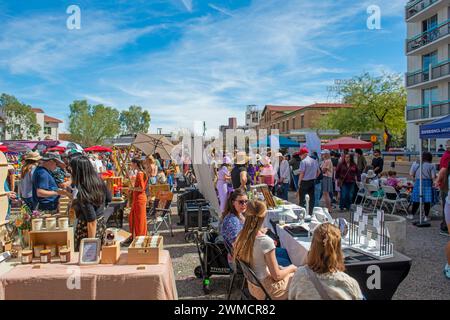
[441, 108]
[432, 110]
[429, 36]
[414, 7]
[416, 113]
[436, 71]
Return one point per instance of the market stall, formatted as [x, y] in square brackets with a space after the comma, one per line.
[70, 281]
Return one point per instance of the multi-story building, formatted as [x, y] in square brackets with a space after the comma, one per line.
[428, 63]
[49, 126]
[290, 118]
[252, 116]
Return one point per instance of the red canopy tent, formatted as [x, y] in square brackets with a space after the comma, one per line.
[98, 149]
[347, 143]
[57, 149]
[3, 148]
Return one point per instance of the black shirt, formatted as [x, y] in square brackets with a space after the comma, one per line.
[236, 176]
[90, 212]
[377, 162]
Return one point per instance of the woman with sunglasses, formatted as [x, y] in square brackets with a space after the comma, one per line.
[233, 216]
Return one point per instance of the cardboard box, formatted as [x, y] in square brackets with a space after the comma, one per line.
[110, 254]
[149, 254]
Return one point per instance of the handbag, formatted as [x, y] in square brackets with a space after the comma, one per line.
[340, 181]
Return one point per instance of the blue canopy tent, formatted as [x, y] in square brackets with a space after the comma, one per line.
[283, 142]
[439, 129]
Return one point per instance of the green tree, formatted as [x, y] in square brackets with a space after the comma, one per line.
[20, 120]
[378, 104]
[134, 120]
[91, 124]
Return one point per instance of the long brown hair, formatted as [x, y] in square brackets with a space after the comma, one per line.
[28, 166]
[254, 219]
[229, 208]
[325, 254]
[140, 165]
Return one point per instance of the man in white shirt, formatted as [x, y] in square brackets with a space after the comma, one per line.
[283, 176]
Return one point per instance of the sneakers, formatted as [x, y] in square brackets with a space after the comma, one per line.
[409, 217]
[444, 233]
[425, 219]
[447, 271]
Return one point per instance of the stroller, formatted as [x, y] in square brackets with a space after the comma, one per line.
[213, 257]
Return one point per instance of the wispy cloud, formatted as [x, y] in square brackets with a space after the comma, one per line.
[42, 44]
[221, 10]
[187, 4]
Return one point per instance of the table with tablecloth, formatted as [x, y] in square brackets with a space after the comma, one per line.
[89, 282]
[392, 271]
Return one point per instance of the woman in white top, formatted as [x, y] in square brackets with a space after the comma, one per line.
[257, 249]
[31, 160]
[323, 277]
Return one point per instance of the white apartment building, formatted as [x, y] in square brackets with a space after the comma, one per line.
[252, 116]
[49, 126]
[428, 60]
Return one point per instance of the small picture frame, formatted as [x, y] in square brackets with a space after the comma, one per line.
[89, 251]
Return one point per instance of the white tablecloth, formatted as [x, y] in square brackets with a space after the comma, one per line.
[297, 248]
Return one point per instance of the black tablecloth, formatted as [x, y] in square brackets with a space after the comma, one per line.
[391, 273]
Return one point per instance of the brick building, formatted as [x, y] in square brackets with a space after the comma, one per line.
[288, 118]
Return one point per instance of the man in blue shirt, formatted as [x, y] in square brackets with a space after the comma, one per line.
[45, 190]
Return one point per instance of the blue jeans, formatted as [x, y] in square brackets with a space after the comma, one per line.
[282, 257]
[347, 191]
[317, 194]
[284, 190]
[296, 183]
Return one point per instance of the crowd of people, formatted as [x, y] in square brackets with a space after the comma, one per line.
[45, 178]
[333, 177]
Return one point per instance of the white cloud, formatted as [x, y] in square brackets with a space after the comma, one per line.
[187, 4]
[43, 45]
[221, 10]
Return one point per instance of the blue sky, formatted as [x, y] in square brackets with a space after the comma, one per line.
[192, 60]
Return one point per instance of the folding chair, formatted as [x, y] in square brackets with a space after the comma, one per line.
[236, 270]
[250, 276]
[393, 198]
[160, 212]
[361, 192]
[370, 197]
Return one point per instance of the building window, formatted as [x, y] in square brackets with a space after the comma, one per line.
[293, 123]
[287, 125]
[428, 59]
[47, 130]
[302, 121]
[429, 23]
[283, 127]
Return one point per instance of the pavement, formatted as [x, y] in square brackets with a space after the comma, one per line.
[425, 246]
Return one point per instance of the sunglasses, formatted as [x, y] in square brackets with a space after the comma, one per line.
[242, 202]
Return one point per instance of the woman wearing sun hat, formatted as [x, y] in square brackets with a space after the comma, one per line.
[31, 160]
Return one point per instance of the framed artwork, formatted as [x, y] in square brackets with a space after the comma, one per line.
[268, 198]
[89, 251]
